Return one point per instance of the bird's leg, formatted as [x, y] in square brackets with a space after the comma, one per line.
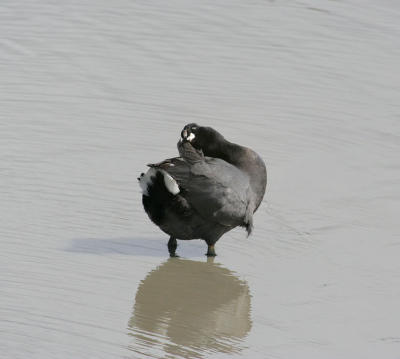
[172, 245]
[211, 251]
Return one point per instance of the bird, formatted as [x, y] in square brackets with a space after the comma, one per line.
[212, 187]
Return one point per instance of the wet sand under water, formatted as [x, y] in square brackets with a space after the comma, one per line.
[89, 94]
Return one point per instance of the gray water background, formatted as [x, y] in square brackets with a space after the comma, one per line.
[92, 91]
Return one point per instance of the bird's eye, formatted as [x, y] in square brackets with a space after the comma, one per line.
[194, 128]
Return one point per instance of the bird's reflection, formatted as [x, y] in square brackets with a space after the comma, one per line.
[187, 309]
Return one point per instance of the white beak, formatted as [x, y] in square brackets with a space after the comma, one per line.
[190, 137]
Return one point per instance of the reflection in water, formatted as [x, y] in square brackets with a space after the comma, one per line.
[188, 308]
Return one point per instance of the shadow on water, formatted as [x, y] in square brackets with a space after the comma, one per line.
[152, 247]
[187, 309]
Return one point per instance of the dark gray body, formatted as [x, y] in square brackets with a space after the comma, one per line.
[214, 197]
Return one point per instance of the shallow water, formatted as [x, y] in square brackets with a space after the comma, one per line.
[91, 93]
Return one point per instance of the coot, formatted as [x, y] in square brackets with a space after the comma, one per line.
[213, 187]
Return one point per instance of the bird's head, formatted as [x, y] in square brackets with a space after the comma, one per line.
[202, 138]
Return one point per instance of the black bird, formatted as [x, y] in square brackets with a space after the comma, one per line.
[213, 187]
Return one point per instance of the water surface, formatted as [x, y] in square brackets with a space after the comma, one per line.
[90, 93]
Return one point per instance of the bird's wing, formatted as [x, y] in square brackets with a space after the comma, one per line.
[214, 188]
[219, 190]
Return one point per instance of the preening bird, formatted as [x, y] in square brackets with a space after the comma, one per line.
[212, 187]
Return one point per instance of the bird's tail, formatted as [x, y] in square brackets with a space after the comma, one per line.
[159, 189]
[147, 180]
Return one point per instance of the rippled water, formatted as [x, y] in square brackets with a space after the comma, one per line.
[92, 91]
